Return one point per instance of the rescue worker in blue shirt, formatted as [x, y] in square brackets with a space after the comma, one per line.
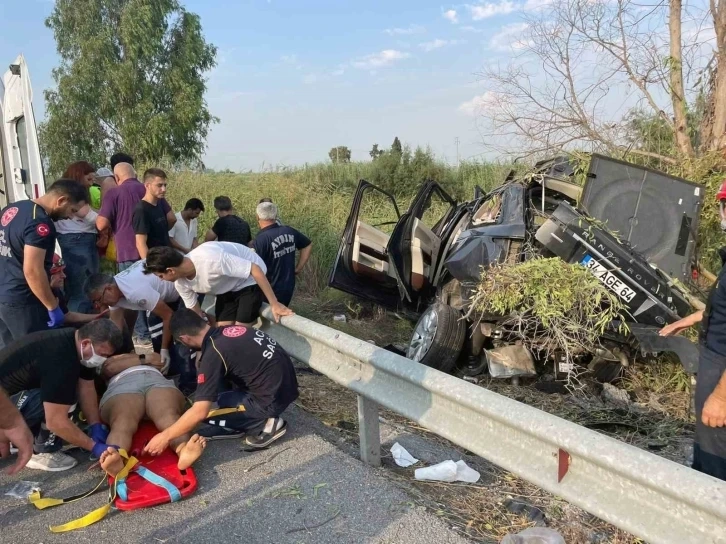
[277, 244]
[27, 245]
[709, 450]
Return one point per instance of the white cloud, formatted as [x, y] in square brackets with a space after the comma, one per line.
[412, 29]
[379, 60]
[512, 37]
[489, 9]
[451, 16]
[309, 79]
[471, 29]
[476, 105]
[437, 44]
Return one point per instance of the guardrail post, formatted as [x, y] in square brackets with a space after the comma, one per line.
[369, 432]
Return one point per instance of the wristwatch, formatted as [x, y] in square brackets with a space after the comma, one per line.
[142, 359]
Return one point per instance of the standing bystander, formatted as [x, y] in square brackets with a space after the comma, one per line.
[183, 235]
[151, 225]
[709, 450]
[117, 209]
[277, 244]
[229, 227]
[77, 239]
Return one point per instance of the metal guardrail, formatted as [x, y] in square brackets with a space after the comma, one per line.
[655, 499]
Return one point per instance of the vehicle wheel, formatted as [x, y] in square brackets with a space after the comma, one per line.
[471, 366]
[607, 371]
[438, 337]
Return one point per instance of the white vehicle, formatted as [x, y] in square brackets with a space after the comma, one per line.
[21, 168]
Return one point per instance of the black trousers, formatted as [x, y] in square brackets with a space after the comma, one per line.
[254, 417]
[709, 452]
[19, 319]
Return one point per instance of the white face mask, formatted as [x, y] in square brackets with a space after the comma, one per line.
[95, 360]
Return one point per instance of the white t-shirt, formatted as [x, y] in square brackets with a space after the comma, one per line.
[78, 225]
[143, 291]
[183, 235]
[222, 267]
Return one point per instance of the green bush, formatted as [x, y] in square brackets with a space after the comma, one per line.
[549, 304]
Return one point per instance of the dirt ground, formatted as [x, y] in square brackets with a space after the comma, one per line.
[652, 413]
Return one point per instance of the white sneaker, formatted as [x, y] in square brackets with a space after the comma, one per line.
[51, 462]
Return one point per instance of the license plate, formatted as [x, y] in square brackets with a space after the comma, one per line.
[607, 278]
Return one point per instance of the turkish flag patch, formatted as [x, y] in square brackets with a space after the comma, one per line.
[200, 378]
[234, 332]
[8, 216]
[42, 229]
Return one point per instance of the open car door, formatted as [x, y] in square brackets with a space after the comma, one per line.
[415, 246]
[21, 169]
[362, 265]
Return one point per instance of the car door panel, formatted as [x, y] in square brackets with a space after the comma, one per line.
[415, 249]
[362, 266]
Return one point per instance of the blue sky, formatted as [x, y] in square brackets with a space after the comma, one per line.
[297, 78]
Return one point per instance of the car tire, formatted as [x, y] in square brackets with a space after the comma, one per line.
[470, 367]
[438, 337]
[607, 371]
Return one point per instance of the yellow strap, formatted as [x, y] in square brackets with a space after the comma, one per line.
[223, 411]
[85, 521]
[96, 515]
[42, 504]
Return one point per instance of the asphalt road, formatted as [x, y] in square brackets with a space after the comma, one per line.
[310, 492]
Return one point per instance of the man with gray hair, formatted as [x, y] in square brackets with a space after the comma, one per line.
[277, 244]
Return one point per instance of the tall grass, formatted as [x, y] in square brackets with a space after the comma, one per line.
[315, 199]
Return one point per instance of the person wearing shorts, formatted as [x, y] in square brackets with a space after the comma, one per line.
[232, 272]
[245, 372]
[137, 390]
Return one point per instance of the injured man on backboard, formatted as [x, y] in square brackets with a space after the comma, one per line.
[137, 389]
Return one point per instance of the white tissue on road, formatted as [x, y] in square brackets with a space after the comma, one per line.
[448, 471]
[442, 472]
[402, 457]
[464, 473]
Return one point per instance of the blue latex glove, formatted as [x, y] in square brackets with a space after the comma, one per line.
[56, 316]
[100, 447]
[98, 432]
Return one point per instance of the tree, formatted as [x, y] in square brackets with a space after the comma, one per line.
[396, 146]
[713, 125]
[339, 154]
[375, 152]
[582, 67]
[132, 78]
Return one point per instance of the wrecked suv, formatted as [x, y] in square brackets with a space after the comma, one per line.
[430, 262]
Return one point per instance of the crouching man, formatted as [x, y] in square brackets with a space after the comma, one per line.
[137, 389]
[45, 373]
[253, 362]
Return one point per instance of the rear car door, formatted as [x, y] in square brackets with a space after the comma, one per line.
[415, 246]
[362, 265]
[21, 165]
